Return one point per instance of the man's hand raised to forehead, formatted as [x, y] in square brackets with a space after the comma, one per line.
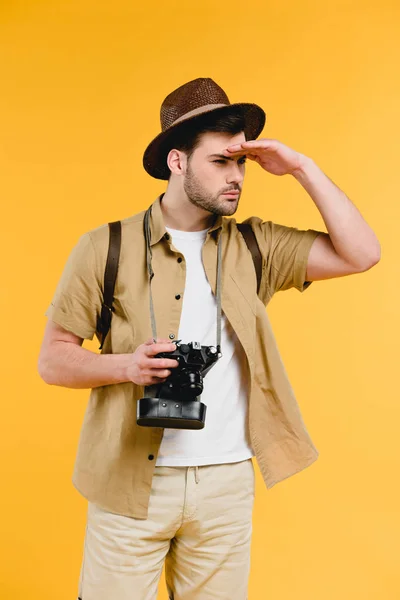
[271, 155]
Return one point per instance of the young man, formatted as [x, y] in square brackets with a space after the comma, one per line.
[178, 495]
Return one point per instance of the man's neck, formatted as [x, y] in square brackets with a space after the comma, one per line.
[183, 215]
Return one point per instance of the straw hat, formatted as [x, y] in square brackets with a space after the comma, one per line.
[187, 104]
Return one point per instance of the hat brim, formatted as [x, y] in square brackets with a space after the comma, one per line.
[155, 155]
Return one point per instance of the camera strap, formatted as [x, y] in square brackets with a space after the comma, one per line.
[147, 235]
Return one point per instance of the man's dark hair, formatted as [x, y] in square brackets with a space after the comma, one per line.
[189, 136]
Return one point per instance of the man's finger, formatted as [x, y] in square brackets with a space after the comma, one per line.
[251, 144]
[233, 148]
[160, 347]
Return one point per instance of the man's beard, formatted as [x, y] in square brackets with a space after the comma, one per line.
[202, 198]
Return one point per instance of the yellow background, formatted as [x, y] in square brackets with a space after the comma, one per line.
[82, 82]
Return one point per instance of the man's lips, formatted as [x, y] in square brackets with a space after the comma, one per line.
[231, 193]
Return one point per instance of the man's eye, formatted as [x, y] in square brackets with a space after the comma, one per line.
[220, 161]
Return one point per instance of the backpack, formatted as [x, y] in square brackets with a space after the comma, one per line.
[110, 273]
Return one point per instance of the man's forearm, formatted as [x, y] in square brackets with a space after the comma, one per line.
[351, 236]
[72, 366]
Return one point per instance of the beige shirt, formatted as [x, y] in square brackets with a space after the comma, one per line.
[116, 457]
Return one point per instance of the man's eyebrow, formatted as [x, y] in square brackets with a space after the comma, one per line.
[225, 157]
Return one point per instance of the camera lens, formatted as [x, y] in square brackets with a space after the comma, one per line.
[191, 382]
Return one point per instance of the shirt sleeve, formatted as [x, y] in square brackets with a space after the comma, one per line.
[285, 251]
[78, 296]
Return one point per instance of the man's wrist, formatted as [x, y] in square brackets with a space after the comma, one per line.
[124, 361]
[301, 173]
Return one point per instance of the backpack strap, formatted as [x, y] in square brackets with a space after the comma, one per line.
[251, 241]
[110, 275]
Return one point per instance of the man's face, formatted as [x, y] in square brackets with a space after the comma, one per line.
[209, 174]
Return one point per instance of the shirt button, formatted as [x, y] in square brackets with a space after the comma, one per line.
[180, 259]
[171, 336]
[151, 456]
[177, 297]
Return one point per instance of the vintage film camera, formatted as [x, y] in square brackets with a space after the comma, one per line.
[175, 403]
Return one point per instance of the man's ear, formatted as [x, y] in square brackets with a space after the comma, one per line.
[177, 162]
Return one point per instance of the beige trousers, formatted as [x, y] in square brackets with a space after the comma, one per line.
[199, 523]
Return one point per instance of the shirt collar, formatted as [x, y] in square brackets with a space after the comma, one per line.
[157, 225]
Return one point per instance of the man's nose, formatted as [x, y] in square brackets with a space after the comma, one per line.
[235, 174]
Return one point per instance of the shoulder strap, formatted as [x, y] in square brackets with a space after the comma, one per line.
[251, 241]
[110, 275]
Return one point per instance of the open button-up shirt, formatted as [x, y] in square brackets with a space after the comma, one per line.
[116, 458]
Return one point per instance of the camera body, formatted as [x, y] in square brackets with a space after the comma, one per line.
[175, 403]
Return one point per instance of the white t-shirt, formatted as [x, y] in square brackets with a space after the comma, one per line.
[224, 438]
